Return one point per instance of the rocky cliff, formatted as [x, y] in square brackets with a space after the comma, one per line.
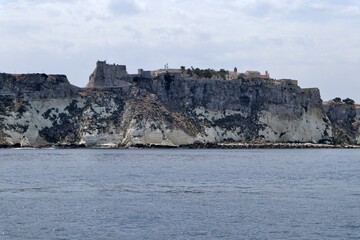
[345, 121]
[166, 109]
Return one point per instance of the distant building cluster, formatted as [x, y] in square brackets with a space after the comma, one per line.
[107, 75]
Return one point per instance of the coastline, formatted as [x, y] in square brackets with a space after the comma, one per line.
[233, 145]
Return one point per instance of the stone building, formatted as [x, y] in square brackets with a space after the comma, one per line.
[286, 82]
[107, 75]
[257, 74]
[174, 71]
[253, 74]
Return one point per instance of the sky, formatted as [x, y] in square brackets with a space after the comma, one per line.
[314, 41]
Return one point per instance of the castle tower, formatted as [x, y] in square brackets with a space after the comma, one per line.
[106, 75]
[267, 74]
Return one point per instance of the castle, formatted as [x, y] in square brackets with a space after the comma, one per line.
[107, 75]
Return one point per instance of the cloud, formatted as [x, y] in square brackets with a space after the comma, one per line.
[313, 41]
[123, 7]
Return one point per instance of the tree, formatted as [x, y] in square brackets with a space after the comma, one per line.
[189, 72]
[349, 101]
[198, 72]
[337, 100]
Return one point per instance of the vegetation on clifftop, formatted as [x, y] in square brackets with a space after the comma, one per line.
[207, 73]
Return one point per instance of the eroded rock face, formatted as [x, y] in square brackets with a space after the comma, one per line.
[345, 120]
[166, 110]
[239, 110]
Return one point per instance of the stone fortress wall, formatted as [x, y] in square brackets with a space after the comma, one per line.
[107, 75]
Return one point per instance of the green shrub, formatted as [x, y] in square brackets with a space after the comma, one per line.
[349, 101]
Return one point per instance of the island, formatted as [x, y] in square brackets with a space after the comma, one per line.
[185, 107]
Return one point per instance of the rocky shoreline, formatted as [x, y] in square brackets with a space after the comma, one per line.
[237, 145]
[242, 145]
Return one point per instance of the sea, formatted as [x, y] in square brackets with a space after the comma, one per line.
[180, 194]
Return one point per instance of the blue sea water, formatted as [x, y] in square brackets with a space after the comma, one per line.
[180, 194]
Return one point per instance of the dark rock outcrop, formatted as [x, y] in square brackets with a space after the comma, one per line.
[345, 121]
[36, 86]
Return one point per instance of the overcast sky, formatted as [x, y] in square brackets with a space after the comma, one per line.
[314, 41]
